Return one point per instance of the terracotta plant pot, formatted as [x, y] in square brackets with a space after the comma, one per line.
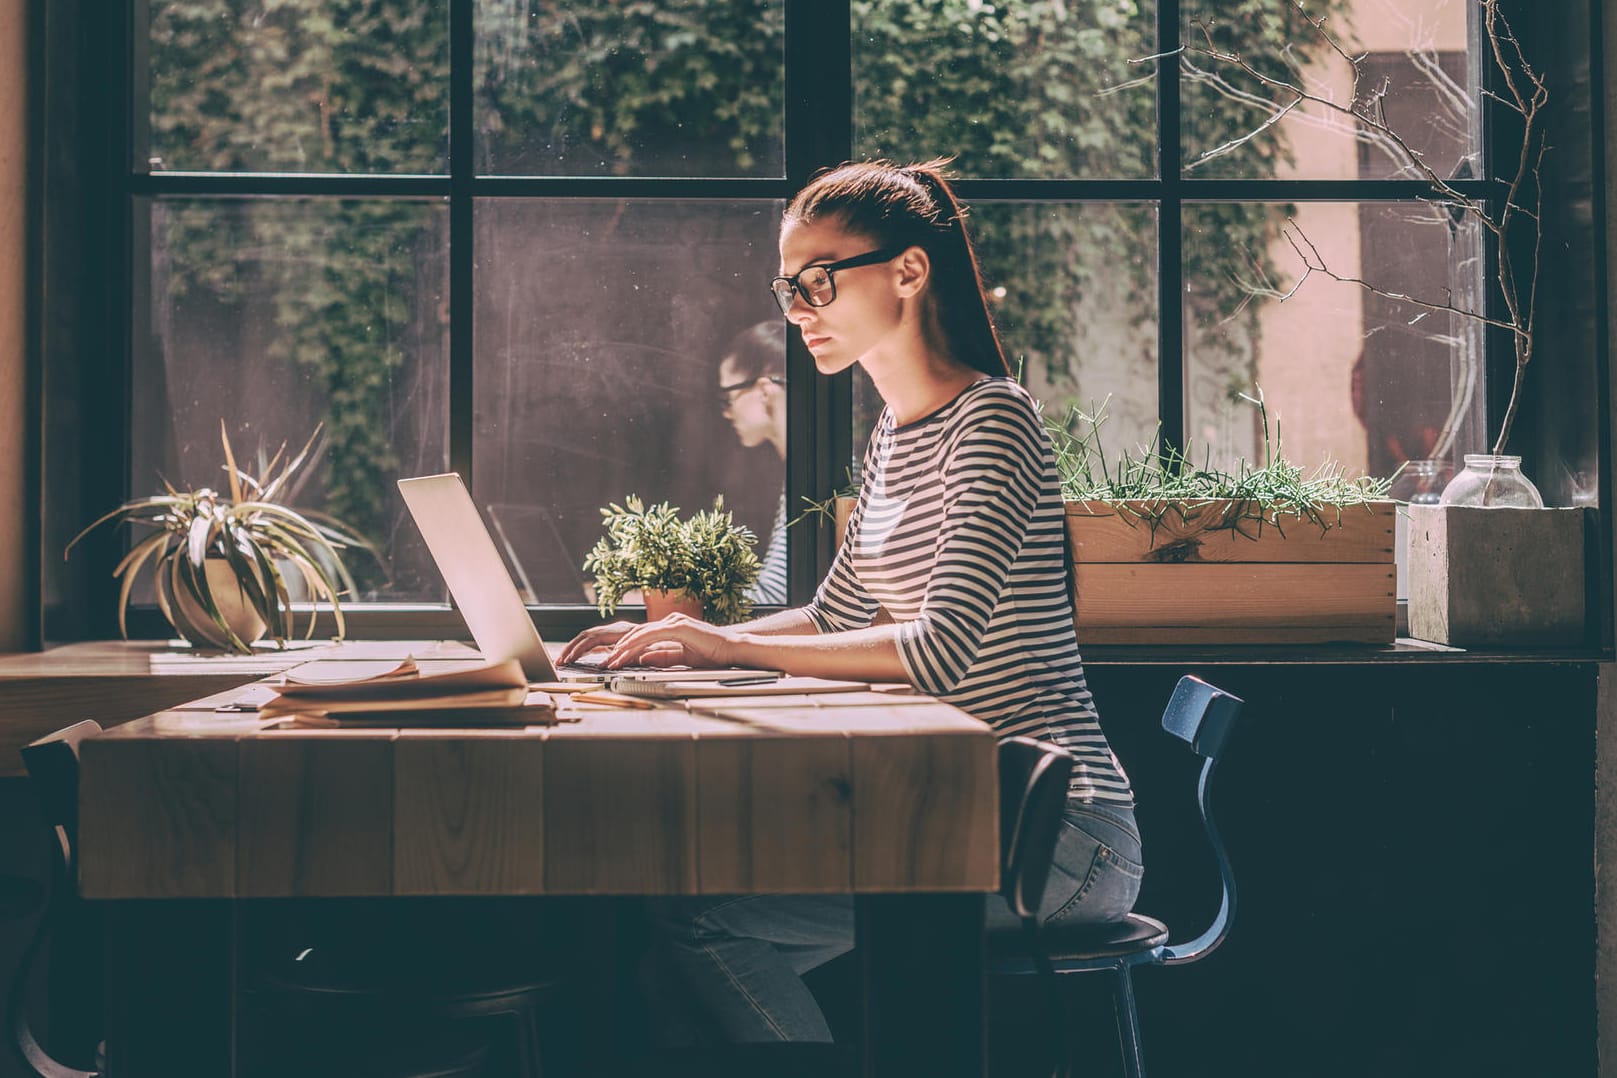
[193, 623]
[660, 604]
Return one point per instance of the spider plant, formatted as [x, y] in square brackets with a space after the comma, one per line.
[252, 530]
[1161, 480]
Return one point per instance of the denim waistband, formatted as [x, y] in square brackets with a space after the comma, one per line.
[1103, 821]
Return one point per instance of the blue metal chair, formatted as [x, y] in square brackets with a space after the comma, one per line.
[1200, 715]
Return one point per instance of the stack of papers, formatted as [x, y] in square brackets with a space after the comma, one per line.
[398, 694]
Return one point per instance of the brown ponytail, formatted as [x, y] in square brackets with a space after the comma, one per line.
[914, 206]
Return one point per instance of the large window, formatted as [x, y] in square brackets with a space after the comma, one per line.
[513, 238]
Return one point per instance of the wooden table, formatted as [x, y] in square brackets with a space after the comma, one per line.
[116, 681]
[892, 800]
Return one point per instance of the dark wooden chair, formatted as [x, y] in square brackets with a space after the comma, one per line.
[365, 993]
[1200, 715]
[52, 764]
[417, 1008]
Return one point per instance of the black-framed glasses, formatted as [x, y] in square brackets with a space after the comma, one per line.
[816, 284]
[729, 393]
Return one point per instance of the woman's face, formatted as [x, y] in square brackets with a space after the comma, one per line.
[867, 305]
[747, 408]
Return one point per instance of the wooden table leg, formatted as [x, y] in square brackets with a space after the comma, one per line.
[925, 998]
[171, 988]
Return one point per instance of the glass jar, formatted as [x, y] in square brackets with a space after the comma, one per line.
[1421, 482]
[1494, 481]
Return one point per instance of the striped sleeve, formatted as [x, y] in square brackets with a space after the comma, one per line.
[992, 470]
[841, 601]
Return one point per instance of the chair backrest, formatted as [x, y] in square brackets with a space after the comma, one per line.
[1203, 716]
[1032, 792]
[52, 763]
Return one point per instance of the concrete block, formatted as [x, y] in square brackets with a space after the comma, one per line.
[1494, 577]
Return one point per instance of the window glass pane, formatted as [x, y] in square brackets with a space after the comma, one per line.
[1040, 90]
[1348, 375]
[1073, 291]
[1418, 59]
[676, 88]
[279, 316]
[306, 86]
[601, 327]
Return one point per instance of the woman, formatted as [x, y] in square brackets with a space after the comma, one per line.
[959, 534]
[752, 391]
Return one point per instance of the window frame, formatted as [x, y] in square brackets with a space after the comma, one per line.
[818, 130]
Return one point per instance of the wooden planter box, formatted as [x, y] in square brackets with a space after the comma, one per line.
[1194, 579]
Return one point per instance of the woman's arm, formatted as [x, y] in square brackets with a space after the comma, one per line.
[784, 622]
[781, 623]
[869, 654]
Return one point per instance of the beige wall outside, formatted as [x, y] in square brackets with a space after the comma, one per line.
[1310, 342]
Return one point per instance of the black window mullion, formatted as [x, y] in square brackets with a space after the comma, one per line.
[717, 187]
[109, 248]
[819, 410]
[1170, 234]
[1600, 595]
[289, 185]
[461, 255]
[140, 85]
[36, 312]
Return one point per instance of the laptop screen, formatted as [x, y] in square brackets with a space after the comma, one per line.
[465, 554]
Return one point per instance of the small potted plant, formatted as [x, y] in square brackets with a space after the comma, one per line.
[703, 566]
[220, 559]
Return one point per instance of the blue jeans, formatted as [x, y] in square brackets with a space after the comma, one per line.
[743, 957]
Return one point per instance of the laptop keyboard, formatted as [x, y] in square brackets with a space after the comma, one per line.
[586, 666]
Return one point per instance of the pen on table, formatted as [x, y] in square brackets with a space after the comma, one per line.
[750, 679]
[602, 696]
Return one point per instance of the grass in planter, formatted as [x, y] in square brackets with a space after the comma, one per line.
[1161, 480]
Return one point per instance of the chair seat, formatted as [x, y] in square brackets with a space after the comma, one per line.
[359, 1001]
[405, 972]
[1083, 942]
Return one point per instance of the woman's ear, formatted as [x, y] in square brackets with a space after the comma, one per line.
[774, 393]
[914, 270]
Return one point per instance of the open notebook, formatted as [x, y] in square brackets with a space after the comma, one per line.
[336, 694]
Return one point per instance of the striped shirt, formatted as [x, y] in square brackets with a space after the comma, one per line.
[960, 534]
[771, 585]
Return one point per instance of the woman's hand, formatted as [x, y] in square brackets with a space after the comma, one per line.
[601, 636]
[697, 643]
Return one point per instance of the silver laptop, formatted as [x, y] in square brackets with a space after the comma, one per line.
[460, 544]
[465, 553]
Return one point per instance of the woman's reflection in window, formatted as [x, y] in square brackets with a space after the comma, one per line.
[752, 393]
